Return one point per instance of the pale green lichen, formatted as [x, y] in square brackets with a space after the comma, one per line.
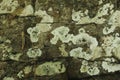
[100, 2]
[34, 52]
[107, 42]
[83, 18]
[45, 17]
[15, 57]
[8, 6]
[97, 53]
[50, 9]
[34, 34]
[27, 69]
[117, 52]
[61, 33]
[110, 67]
[111, 45]
[27, 11]
[84, 38]
[50, 68]
[21, 74]
[90, 69]
[8, 78]
[93, 71]
[79, 53]
[113, 22]
[43, 26]
[63, 51]
[110, 60]
[84, 67]
[81, 39]
[37, 30]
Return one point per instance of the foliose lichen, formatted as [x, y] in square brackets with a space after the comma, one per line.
[83, 18]
[27, 11]
[79, 53]
[43, 26]
[61, 33]
[34, 52]
[34, 34]
[90, 69]
[50, 68]
[111, 45]
[110, 67]
[113, 22]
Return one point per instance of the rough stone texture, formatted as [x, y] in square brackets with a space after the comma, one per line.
[91, 27]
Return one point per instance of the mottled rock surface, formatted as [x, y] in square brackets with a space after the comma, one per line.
[59, 40]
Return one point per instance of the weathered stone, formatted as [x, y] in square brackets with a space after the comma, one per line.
[59, 39]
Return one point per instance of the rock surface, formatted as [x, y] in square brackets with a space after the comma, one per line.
[59, 39]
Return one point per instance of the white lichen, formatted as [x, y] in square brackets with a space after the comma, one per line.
[8, 78]
[97, 53]
[79, 53]
[37, 30]
[117, 52]
[27, 11]
[85, 38]
[110, 67]
[50, 9]
[61, 33]
[100, 2]
[111, 45]
[21, 74]
[83, 18]
[34, 34]
[50, 68]
[113, 22]
[27, 69]
[43, 26]
[92, 55]
[34, 52]
[15, 57]
[90, 69]
[45, 17]
[109, 59]
[107, 30]
[84, 68]
[93, 71]
[107, 45]
[8, 6]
